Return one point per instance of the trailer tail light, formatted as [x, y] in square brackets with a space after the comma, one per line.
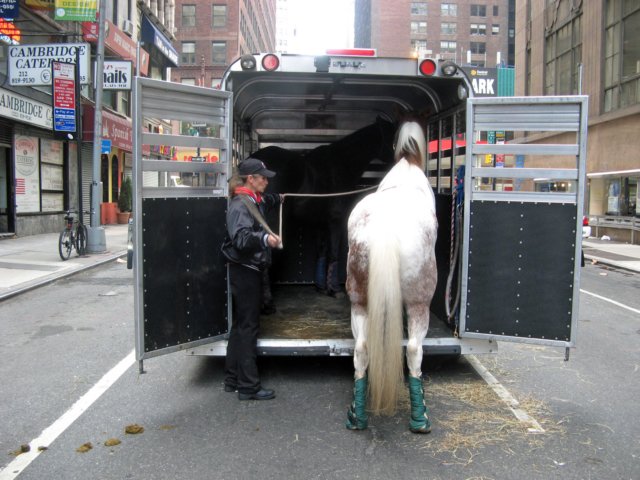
[248, 62]
[427, 67]
[448, 68]
[270, 62]
[352, 52]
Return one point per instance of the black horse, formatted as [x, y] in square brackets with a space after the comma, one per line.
[334, 168]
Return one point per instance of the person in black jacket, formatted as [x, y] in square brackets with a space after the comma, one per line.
[247, 248]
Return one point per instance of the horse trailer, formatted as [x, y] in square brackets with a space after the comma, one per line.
[508, 174]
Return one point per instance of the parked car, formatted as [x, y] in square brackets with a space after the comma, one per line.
[586, 233]
[586, 228]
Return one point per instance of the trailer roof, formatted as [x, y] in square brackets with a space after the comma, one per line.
[290, 99]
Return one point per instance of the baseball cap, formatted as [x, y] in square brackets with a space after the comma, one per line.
[253, 166]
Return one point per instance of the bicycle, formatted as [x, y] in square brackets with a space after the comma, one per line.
[70, 238]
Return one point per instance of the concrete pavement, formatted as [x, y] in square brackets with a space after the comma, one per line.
[621, 255]
[32, 261]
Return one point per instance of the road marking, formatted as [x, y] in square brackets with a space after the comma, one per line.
[532, 424]
[49, 434]
[621, 305]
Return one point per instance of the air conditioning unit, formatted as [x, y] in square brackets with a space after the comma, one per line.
[127, 27]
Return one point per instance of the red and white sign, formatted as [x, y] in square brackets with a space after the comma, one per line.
[64, 87]
[25, 154]
[64, 98]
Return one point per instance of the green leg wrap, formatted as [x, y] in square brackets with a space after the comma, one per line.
[357, 415]
[419, 422]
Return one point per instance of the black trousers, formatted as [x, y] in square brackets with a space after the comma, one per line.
[241, 369]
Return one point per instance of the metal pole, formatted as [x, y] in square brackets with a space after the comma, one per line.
[79, 137]
[96, 239]
[580, 79]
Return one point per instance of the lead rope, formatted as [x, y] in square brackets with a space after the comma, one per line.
[456, 232]
[452, 254]
[341, 194]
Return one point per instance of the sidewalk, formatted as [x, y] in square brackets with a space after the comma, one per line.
[31, 261]
[621, 255]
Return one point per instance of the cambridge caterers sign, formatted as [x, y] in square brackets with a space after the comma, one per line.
[25, 109]
[31, 64]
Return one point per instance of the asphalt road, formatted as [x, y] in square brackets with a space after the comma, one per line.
[60, 340]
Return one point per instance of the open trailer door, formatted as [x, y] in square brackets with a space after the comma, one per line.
[524, 194]
[180, 195]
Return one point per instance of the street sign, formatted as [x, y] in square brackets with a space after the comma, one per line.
[64, 98]
[197, 159]
[106, 146]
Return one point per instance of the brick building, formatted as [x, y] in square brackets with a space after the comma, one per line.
[477, 32]
[210, 35]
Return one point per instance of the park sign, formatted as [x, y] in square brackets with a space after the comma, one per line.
[31, 64]
[484, 81]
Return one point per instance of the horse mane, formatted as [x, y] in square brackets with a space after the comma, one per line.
[411, 144]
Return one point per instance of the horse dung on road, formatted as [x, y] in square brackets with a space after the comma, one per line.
[391, 264]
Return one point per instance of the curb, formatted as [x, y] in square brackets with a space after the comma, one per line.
[610, 263]
[60, 275]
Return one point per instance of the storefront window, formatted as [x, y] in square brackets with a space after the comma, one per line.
[613, 196]
[632, 197]
[52, 170]
[39, 170]
[622, 196]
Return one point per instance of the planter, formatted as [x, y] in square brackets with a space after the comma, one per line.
[107, 213]
[123, 217]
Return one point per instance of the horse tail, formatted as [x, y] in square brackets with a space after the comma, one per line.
[384, 336]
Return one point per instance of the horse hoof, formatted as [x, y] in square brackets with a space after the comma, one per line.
[423, 429]
[355, 427]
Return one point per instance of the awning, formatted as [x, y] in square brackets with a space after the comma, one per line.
[152, 36]
[115, 128]
[617, 173]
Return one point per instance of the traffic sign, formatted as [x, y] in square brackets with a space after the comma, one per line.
[64, 98]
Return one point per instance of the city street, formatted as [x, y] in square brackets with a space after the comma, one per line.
[76, 335]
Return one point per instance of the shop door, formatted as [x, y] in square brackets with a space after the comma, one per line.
[7, 218]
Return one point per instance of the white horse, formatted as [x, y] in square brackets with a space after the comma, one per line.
[391, 265]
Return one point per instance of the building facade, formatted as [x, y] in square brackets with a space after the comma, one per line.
[469, 32]
[210, 35]
[43, 174]
[593, 48]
